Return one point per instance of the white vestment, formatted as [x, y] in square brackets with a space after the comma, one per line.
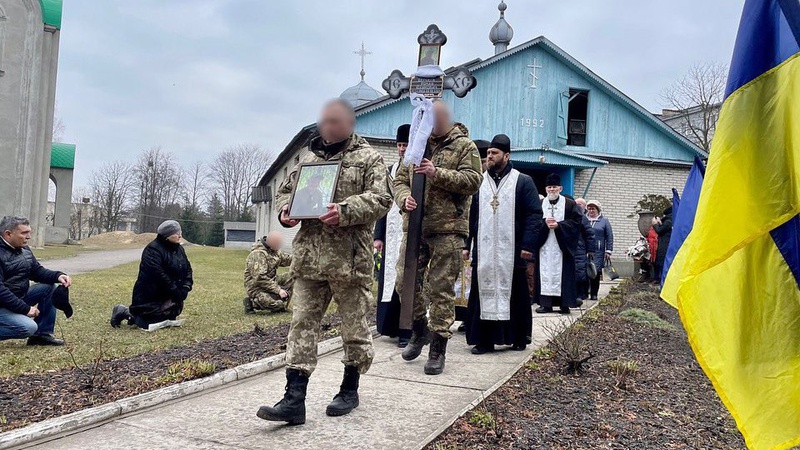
[391, 245]
[495, 241]
[551, 260]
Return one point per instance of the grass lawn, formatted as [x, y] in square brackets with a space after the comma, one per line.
[58, 251]
[213, 309]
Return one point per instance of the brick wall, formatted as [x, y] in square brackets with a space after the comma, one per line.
[619, 186]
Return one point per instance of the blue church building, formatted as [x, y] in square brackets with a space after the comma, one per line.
[561, 117]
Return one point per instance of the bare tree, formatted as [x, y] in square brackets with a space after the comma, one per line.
[196, 177]
[111, 189]
[59, 127]
[84, 215]
[159, 181]
[235, 171]
[694, 102]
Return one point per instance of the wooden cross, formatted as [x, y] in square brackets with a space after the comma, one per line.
[460, 82]
[363, 54]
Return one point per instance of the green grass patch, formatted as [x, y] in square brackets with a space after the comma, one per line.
[213, 309]
[647, 318]
[187, 370]
[58, 251]
[482, 418]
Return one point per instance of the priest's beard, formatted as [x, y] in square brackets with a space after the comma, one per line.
[553, 196]
[498, 167]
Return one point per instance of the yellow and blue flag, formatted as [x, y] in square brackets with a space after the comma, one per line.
[735, 279]
[683, 212]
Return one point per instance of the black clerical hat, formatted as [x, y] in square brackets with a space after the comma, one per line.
[501, 142]
[402, 133]
[553, 180]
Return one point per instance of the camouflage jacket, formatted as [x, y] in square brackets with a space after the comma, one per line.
[344, 252]
[449, 193]
[262, 268]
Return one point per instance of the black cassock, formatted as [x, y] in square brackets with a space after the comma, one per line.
[527, 223]
[567, 235]
[388, 314]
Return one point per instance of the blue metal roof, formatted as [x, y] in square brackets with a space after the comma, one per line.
[553, 157]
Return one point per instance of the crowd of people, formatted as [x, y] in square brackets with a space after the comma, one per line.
[521, 247]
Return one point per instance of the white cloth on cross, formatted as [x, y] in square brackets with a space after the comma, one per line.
[421, 129]
[429, 71]
[551, 260]
[496, 243]
[391, 245]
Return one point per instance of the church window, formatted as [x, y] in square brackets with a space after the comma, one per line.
[577, 112]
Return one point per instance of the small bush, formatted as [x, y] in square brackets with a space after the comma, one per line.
[622, 370]
[482, 418]
[569, 343]
[647, 318]
[187, 370]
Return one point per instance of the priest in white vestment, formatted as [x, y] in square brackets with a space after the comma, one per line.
[388, 237]
[505, 221]
[557, 247]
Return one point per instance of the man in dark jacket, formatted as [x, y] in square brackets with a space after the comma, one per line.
[164, 281]
[25, 311]
[585, 248]
[663, 227]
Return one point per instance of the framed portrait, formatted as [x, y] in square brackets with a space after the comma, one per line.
[429, 54]
[313, 189]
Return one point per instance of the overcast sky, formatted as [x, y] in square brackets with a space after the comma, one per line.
[197, 76]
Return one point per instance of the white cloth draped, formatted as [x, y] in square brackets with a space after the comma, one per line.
[551, 260]
[495, 241]
[421, 129]
[391, 245]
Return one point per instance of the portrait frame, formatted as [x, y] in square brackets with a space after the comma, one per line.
[327, 174]
[424, 49]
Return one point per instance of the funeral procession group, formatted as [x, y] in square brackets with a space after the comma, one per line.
[477, 212]
[459, 233]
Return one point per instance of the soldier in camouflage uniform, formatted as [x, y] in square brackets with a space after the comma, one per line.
[453, 176]
[333, 259]
[267, 290]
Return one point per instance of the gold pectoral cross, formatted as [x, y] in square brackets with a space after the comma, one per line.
[495, 203]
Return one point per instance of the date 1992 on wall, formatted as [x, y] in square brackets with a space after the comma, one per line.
[532, 123]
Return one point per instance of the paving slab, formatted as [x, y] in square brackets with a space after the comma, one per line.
[401, 407]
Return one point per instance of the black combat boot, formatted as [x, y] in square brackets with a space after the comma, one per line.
[248, 306]
[435, 364]
[347, 398]
[292, 409]
[420, 337]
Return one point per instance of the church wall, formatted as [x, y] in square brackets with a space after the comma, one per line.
[25, 100]
[618, 187]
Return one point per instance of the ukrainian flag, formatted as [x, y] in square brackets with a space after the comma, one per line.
[735, 278]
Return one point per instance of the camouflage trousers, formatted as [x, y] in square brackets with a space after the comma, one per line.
[267, 301]
[439, 264]
[311, 299]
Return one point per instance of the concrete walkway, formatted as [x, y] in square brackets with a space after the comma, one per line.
[90, 261]
[401, 407]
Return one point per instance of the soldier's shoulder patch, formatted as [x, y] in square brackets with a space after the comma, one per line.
[476, 161]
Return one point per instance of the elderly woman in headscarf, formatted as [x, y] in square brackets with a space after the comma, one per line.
[164, 281]
[603, 243]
